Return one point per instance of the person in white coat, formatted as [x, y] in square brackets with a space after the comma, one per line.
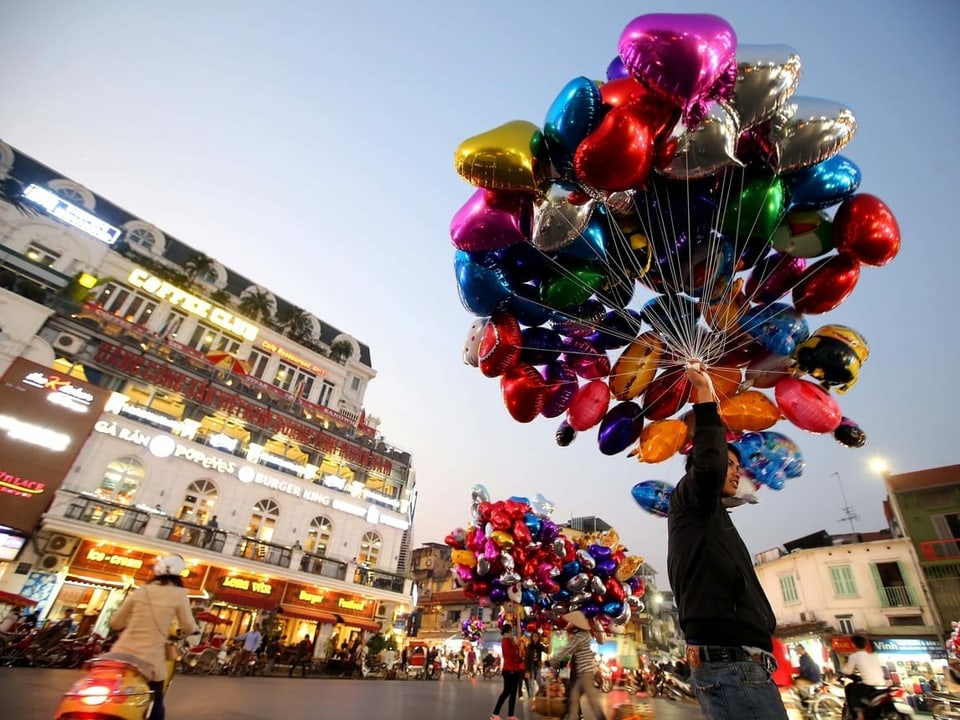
[146, 619]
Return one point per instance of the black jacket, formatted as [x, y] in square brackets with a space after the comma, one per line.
[718, 595]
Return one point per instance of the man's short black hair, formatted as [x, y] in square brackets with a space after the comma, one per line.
[859, 642]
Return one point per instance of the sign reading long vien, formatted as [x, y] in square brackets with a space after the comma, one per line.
[45, 417]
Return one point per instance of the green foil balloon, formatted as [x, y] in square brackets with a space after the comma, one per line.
[576, 283]
[757, 212]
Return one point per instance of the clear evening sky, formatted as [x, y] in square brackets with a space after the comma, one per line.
[309, 146]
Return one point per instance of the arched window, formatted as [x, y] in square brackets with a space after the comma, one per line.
[369, 549]
[198, 502]
[263, 520]
[318, 536]
[120, 480]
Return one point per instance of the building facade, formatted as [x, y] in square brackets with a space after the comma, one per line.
[827, 589]
[223, 423]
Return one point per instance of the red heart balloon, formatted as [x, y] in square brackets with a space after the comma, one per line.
[807, 405]
[666, 394]
[865, 228]
[589, 405]
[483, 510]
[618, 155]
[826, 284]
[500, 519]
[500, 344]
[521, 534]
[614, 590]
[639, 586]
[524, 391]
[629, 92]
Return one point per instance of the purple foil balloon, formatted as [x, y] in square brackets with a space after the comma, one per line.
[620, 428]
[585, 360]
[548, 530]
[773, 277]
[606, 568]
[600, 552]
[690, 59]
[491, 220]
[539, 346]
[561, 387]
[616, 70]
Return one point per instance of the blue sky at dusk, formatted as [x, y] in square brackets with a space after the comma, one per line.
[310, 147]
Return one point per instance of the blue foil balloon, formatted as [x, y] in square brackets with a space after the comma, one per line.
[827, 183]
[653, 496]
[778, 327]
[620, 428]
[526, 307]
[770, 458]
[540, 345]
[481, 288]
[612, 609]
[592, 243]
[618, 329]
[575, 113]
[616, 69]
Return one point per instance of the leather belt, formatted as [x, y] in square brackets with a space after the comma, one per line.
[697, 655]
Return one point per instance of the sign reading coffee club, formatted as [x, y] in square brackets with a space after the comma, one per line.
[201, 391]
[115, 561]
[310, 596]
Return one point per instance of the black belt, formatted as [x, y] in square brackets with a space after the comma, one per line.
[718, 654]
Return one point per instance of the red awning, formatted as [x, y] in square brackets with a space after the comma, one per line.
[362, 623]
[303, 613]
[245, 600]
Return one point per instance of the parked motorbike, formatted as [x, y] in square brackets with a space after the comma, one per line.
[603, 678]
[944, 706]
[887, 703]
[114, 688]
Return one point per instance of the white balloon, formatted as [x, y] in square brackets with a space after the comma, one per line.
[471, 346]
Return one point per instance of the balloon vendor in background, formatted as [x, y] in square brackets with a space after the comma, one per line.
[512, 673]
[724, 614]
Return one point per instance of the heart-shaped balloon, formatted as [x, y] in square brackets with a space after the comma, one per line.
[573, 115]
[619, 154]
[824, 184]
[750, 410]
[561, 385]
[481, 289]
[584, 359]
[826, 284]
[691, 59]
[592, 243]
[865, 228]
[491, 220]
[616, 69]
[767, 75]
[807, 131]
[557, 221]
[512, 156]
[540, 345]
[661, 440]
[757, 210]
[471, 346]
[500, 344]
[636, 366]
[705, 149]
[589, 405]
[769, 369]
[620, 428]
[661, 115]
[598, 586]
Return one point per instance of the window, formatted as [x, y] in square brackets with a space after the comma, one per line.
[41, 255]
[263, 520]
[906, 621]
[369, 549]
[355, 384]
[139, 310]
[841, 578]
[113, 297]
[258, 363]
[326, 392]
[172, 325]
[892, 588]
[198, 502]
[788, 588]
[318, 536]
[845, 624]
[120, 480]
[284, 377]
[206, 339]
[143, 238]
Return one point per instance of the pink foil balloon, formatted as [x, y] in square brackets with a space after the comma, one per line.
[491, 220]
[807, 405]
[690, 59]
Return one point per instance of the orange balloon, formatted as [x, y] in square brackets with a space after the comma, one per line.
[636, 367]
[726, 381]
[723, 315]
[750, 410]
[662, 439]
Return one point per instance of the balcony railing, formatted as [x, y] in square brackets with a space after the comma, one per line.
[323, 566]
[263, 552]
[935, 550]
[900, 596]
[187, 533]
[107, 514]
[378, 579]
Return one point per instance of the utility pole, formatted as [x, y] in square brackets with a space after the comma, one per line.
[848, 511]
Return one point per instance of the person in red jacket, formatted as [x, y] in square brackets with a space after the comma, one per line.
[512, 672]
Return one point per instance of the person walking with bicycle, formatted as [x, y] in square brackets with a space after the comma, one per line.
[250, 643]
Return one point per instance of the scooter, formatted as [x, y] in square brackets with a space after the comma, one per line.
[114, 688]
[944, 706]
[888, 703]
[602, 678]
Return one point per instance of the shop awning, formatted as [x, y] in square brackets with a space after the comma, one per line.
[243, 600]
[302, 613]
[362, 623]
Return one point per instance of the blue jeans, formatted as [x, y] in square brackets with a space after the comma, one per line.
[736, 691]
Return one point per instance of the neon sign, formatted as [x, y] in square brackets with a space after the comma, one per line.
[61, 392]
[250, 586]
[162, 290]
[285, 354]
[72, 215]
[16, 485]
[120, 560]
[34, 434]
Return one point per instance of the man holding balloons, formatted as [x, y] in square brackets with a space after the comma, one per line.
[725, 616]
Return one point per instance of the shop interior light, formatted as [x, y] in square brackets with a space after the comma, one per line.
[86, 280]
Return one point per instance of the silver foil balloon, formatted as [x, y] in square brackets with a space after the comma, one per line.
[707, 148]
[621, 203]
[557, 222]
[542, 506]
[597, 585]
[479, 492]
[509, 578]
[807, 131]
[767, 76]
[506, 559]
[623, 617]
[483, 566]
[586, 559]
[578, 583]
[559, 547]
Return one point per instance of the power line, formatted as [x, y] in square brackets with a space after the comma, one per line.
[848, 511]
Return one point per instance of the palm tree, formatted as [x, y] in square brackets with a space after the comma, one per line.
[198, 265]
[341, 350]
[221, 297]
[11, 190]
[257, 304]
[296, 323]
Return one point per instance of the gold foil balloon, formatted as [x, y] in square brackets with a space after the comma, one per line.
[510, 157]
[751, 411]
[463, 557]
[636, 367]
[726, 380]
[610, 538]
[662, 439]
[628, 567]
[502, 539]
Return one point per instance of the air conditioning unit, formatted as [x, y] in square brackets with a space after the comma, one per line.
[61, 544]
[52, 563]
[808, 616]
[67, 343]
